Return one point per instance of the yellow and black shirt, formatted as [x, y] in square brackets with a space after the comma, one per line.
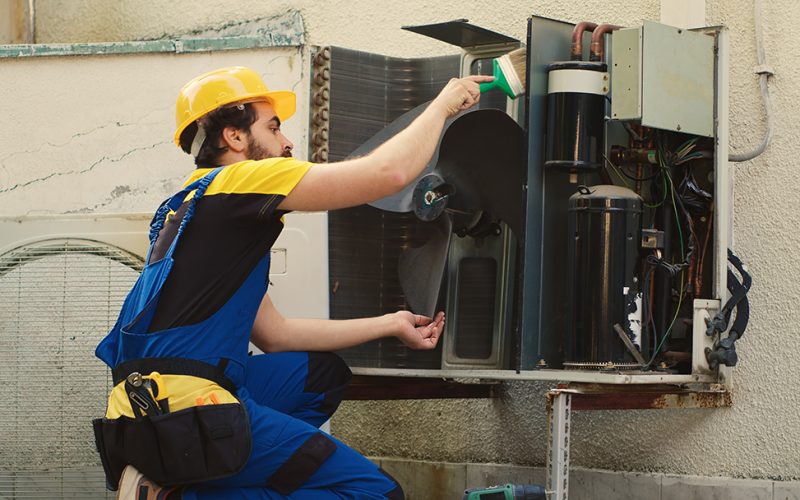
[234, 226]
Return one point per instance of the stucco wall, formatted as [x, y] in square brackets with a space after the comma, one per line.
[758, 436]
[79, 136]
[359, 24]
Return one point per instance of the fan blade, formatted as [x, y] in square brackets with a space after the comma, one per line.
[398, 202]
[481, 156]
[421, 269]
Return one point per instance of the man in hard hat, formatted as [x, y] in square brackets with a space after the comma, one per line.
[190, 409]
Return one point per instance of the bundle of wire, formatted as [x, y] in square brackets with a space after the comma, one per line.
[689, 196]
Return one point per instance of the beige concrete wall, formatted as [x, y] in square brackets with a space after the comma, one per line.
[94, 133]
[360, 24]
[759, 436]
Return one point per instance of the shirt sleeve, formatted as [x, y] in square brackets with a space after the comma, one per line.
[273, 176]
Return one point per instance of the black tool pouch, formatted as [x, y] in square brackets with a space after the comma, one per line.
[195, 444]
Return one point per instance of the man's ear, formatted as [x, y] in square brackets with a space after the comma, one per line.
[234, 139]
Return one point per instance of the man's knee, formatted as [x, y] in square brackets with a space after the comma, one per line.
[326, 371]
[328, 374]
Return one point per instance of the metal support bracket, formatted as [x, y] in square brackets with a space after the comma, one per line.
[559, 414]
[562, 400]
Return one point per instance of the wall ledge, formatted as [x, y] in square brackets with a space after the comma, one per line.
[286, 30]
[423, 479]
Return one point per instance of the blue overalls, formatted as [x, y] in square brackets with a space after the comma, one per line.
[290, 457]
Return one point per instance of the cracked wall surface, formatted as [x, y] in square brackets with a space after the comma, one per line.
[94, 133]
[757, 437]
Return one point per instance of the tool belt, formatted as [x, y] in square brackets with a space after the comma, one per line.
[197, 443]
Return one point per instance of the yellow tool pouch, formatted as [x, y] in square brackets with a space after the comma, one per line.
[180, 444]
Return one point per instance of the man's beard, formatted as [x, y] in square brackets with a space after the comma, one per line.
[257, 152]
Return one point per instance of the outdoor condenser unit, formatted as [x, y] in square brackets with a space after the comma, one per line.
[623, 151]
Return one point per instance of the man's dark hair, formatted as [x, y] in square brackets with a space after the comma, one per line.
[240, 116]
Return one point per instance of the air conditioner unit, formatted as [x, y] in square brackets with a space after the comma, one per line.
[534, 304]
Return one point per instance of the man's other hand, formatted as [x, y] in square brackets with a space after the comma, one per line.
[417, 331]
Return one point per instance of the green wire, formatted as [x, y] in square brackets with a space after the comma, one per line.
[683, 257]
[669, 330]
[684, 148]
[675, 210]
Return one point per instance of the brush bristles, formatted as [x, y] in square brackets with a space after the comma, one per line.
[513, 67]
[519, 59]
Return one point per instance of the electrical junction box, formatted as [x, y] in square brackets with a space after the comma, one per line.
[664, 77]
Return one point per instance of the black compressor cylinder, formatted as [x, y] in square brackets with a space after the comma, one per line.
[605, 230]
[576, 104]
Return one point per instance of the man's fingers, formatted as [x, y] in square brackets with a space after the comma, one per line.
[469, 101]
[420, 320]
[434, 338]
[479, 78]
[435, 330]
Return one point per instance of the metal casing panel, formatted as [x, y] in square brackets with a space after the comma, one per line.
[626, 74]
[676, 76]
[462, 34]
[544, 288]
[496, 324]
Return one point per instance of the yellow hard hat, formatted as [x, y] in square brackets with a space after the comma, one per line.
[211, 90]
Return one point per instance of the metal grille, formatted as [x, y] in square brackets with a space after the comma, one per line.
[364, 243]
[477, 285]
[57, 300]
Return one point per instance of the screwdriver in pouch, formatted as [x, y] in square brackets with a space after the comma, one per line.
[159, 390]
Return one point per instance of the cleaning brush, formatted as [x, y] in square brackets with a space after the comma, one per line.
[509, 73]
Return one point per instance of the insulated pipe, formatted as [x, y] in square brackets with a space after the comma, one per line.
[577, 38]
[598, 43]
[764, 72]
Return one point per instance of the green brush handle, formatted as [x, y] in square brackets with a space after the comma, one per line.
[488, 86]
[499, 82]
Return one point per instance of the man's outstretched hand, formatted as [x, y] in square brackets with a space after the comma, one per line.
[460, 94]
[417, 331]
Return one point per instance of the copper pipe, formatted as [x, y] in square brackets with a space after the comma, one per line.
[598, 46]
[633, 155]
[698, 283]
[694, 260]
[577, 38]
[651, 302]
[690, 274]
[639, 174]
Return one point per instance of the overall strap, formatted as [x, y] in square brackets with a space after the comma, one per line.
[173, 203]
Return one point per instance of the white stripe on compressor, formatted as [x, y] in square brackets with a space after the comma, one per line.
[577, 80]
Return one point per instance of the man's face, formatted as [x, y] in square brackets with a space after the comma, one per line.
[265, 139]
